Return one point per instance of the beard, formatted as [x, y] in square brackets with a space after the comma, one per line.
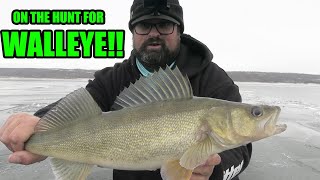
[154, 59]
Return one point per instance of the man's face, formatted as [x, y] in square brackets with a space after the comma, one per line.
[155, 49]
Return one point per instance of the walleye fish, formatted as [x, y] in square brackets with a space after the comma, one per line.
[160, 125]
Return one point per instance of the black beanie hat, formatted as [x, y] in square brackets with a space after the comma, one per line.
[171, 11]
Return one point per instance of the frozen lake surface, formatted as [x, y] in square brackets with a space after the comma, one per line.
[292, 155]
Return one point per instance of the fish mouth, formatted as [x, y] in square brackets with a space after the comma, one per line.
[271, 127]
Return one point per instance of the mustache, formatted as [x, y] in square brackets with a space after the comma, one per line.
[153, 41]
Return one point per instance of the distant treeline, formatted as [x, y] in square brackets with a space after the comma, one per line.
[46, 73]
[271, 77]
[235, 75]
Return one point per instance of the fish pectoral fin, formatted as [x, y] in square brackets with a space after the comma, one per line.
[198, 153]
[67, 170]
[172, 170]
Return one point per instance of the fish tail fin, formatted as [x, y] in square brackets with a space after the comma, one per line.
[76, 106]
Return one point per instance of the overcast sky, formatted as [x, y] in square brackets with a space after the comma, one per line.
[246, 35]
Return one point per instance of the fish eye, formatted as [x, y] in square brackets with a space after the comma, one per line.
[256, 111]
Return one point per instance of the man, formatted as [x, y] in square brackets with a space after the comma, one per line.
[158, 40]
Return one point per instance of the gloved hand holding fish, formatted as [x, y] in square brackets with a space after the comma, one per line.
[160, 124]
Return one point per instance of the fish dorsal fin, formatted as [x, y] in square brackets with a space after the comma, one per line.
[162, 85]
[77, 105]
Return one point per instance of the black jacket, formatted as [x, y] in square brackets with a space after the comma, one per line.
[207, 80]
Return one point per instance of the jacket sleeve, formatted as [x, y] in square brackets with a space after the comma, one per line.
[102, 88]
[217, 84]
[41, 112]
[108, 83]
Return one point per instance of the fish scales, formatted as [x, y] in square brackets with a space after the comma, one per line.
[128, 136]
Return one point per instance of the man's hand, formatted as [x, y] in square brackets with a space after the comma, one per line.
[203, 172]
[14, 133]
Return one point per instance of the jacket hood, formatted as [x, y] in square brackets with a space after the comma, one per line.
[194, 56]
